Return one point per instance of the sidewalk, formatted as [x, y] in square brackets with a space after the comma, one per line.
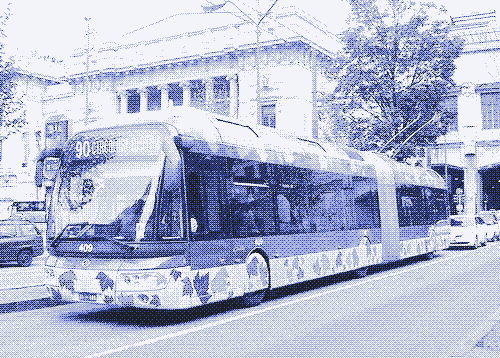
[22, 288]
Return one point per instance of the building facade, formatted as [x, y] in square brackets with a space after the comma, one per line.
[19, 147]
[470, 153]
[270, 81]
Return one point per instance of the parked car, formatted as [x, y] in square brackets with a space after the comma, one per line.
[467, 231]
[20, 241]
[491, 220]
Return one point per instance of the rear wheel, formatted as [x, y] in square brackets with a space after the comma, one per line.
[24, 258]
[258, 272]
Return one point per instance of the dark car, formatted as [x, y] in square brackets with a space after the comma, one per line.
[20, 241]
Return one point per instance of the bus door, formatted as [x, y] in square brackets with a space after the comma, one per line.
[210, 244]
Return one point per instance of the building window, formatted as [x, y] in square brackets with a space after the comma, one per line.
[56, 134]
[451, 106]
[175, 94]
[221, 100]
[154, 99]
[490, 108]
[134, 101]
[268, 115]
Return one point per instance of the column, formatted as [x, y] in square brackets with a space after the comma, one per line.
[470, 122]
[186, 93]
[209, 93]
[165, 88]
[144, 99]
[117, 101]
[123, 101]
[471, 174]
[233, 95]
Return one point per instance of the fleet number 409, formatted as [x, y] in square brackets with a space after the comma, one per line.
[86, 247]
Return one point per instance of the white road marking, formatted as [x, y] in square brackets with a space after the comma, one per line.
[262, 310]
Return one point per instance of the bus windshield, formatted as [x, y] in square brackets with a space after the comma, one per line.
[113, 196]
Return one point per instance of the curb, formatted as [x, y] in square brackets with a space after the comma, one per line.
[26, 299]
[29, 305]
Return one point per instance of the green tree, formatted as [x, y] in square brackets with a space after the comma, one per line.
[12, 114]
[392, 76]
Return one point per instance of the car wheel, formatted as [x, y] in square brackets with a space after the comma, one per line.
[476, 243]
[24, 258]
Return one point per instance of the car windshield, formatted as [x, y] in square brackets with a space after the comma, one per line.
[112, 193]
[462, 221]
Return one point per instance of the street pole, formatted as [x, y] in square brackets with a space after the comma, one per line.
[86, 120]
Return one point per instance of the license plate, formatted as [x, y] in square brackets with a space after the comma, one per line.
[87, 296]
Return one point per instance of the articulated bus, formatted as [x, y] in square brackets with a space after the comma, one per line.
[186, 212]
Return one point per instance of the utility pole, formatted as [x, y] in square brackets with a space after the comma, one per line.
[87, 80]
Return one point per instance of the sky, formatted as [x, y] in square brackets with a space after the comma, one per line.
[56, 28]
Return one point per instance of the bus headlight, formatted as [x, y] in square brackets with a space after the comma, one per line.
[141, 281]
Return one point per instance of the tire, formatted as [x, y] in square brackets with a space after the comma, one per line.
[476, 243]
[24, 258]
[255, 298]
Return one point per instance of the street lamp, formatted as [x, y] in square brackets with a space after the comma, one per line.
[213, 8]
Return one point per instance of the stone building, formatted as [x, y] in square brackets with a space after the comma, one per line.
[209, 63]
[470, 152]
[18, 148]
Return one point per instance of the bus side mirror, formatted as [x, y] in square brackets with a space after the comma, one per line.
[50, 167]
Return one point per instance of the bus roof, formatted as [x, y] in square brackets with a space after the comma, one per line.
[212, 134]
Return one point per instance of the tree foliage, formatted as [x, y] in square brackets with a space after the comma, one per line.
[392, 76]
[12, 114]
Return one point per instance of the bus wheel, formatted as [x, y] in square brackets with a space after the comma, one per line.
[258, 273]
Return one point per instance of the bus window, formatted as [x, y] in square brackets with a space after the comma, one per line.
[365, 206]
[328, 202]
[420, 205]
[340, 202]
[292, 199]
[166, 219]
[205, 183]
[250, 201]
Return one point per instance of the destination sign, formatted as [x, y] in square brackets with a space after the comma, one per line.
[100, 146]
[83, 149]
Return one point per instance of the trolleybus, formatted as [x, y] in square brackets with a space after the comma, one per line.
[189, 212]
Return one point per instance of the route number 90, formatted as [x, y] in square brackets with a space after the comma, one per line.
[86, 247]
[82, 148]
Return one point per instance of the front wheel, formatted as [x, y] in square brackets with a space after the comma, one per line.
[24, 258]
[258, 280]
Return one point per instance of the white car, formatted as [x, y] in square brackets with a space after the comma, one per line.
[467, 231]
[493, 226]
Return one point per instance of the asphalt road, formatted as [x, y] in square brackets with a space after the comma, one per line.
[418, 308]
